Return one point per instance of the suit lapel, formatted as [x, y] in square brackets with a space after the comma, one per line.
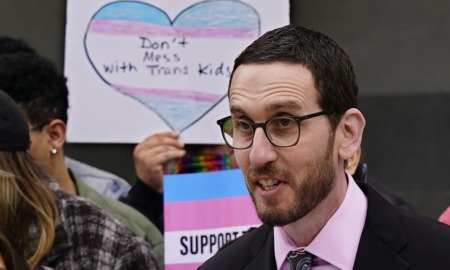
[382, 237]
[262, 251]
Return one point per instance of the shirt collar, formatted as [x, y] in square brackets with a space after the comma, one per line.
[337, 242]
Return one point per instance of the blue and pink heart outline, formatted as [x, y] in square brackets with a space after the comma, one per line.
[178, 108]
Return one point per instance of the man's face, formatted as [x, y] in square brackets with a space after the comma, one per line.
[285, 183]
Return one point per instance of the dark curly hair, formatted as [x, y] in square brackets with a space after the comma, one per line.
[9, 45]
[36, 85]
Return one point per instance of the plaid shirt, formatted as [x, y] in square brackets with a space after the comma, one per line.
[89, 238]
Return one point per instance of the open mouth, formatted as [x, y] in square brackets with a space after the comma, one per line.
[269, 184]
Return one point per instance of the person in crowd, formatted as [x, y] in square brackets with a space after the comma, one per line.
[25, 200]
[41, 92]
[293, 147]
[50, 227]
[105, 183]
[149, 157]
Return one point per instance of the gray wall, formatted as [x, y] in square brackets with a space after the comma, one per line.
[41, 23]
[401, 58]
[402, 62]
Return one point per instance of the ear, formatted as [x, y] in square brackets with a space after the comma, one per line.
[351, 128]
[353, 162]
[57, 134]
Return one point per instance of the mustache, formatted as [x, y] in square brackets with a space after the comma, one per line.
[267, 169]
[270, 170]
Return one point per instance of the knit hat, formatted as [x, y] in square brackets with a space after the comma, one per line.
[14, 133]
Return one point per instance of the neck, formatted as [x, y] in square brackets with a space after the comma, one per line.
[303, 231]
[61, 174]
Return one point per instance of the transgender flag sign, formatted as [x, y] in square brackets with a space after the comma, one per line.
[203, 211]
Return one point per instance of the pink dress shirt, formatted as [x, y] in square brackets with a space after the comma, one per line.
[336, 244]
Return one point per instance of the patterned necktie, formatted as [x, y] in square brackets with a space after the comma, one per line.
[299, 260]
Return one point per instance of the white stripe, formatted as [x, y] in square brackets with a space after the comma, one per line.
[196, 246]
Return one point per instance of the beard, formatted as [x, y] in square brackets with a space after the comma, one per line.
[310, 189]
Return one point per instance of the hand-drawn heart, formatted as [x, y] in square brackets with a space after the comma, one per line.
[180, 68]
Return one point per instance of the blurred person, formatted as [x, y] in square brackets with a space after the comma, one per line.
[49, 226]
[103, 182]
[41, 92]
[293, 148]
[146, 194]
[25, 201]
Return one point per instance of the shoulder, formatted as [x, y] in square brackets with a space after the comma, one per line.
[250, 244]
[85, 226]
[82, 215]
[425, 231]
[136, 221]
[427, 242]
[131, 217]
[420, 241]
[102, 181]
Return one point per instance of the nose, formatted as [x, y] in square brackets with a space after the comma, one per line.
[262, 151]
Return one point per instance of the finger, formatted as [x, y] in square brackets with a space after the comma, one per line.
[159, 155]
[170, 156]
[161, 139]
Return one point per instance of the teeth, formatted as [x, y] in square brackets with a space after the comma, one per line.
[268, 184]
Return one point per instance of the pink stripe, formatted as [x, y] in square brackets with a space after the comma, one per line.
[182, 266]
[181, 95]
[207, 214]
[133, 28]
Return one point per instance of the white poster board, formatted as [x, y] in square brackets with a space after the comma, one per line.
[135, 68]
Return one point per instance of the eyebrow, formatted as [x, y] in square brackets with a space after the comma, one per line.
[233, 109]
[288, 104]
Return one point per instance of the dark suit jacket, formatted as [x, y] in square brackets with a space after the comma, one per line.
[391, 239]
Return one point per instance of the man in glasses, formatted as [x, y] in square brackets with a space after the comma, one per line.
[294, 124]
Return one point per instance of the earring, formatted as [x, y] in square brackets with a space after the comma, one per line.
[54, 151]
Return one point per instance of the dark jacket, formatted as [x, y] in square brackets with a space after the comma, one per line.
[147, 201]
[392, 238]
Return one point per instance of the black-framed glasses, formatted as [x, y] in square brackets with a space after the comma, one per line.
[282, 131]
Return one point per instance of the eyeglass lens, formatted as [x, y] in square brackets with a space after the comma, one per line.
[281, 131]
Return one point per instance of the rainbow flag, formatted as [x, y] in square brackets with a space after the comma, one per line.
[203, 211]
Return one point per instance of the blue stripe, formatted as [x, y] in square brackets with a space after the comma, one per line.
[132, 11]
[204, 186]
[220, 14]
